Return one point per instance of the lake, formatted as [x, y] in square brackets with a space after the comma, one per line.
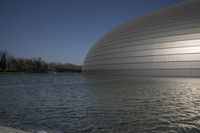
[76, 103]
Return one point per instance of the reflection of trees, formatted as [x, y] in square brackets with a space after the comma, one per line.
[34, 65]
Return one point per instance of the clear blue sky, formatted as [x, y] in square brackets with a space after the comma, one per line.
[64, 30]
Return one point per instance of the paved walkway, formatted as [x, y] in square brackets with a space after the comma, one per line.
[10, 130]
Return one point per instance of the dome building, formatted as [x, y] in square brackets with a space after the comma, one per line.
[162, 43]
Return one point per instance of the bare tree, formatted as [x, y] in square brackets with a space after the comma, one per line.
[3, 62]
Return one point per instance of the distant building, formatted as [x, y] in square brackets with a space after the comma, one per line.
[163, 43]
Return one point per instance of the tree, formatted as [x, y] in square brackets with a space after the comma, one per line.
[12, 65]
[3, 62]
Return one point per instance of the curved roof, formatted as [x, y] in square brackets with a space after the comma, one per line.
[162, 43]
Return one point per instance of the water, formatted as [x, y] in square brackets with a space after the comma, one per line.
[74, 103]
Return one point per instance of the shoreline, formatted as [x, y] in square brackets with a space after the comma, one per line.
[37, 73]
[4, 129]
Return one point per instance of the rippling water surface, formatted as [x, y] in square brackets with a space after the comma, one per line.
[71, 103]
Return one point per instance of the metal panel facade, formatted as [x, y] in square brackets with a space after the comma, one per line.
[163, 43]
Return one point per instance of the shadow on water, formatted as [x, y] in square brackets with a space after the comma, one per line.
[78, 103]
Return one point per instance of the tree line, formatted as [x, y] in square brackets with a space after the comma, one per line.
[9, 63]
